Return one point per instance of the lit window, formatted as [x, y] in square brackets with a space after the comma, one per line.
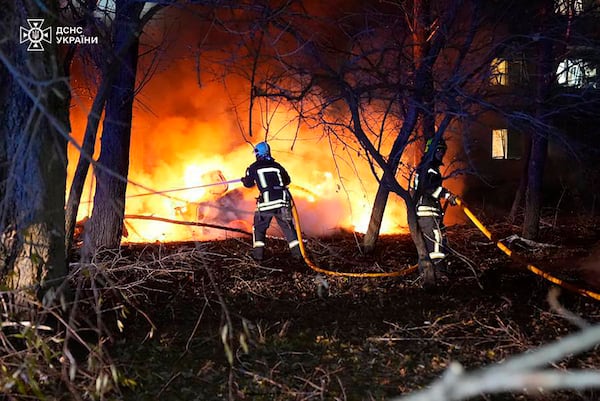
[509, 72]
[499, 72]
[500, 144]
[576, 73]
[568, 7]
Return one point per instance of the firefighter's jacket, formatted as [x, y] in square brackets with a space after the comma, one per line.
[272, 180]
[429, 189]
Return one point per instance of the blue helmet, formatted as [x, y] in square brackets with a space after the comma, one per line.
[262, 150]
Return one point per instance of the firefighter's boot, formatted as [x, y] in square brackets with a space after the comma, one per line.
[296, 253]
[258, 253]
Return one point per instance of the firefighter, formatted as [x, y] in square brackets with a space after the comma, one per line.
[429, 192]
[274, 200]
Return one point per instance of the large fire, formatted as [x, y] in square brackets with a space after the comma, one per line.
[174, 152]
[188, 132]
[187, 137]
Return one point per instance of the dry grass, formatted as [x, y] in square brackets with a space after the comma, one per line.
[194, 321]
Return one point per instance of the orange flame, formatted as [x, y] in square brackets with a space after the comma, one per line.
[188, 143]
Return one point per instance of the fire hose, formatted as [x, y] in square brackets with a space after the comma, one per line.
[212, 184]
[318, 269]
[412, 268]
[530, 267]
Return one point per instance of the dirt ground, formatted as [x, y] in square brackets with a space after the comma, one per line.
[205, 322]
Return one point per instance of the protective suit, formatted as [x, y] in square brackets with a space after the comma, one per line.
[274, 200]
[430, 215]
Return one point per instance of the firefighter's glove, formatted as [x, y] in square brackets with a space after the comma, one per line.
[452, 199]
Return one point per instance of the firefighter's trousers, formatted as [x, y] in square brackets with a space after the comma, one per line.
[262, 220]
[435, 241]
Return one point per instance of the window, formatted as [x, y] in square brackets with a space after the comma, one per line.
[568, 7]
[499, 72]
[518, 71]
[505, 144]
[576, 73]
[500, 144]
[505, 72]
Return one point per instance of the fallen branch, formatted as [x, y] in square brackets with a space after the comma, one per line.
[532, 244]
[186, 223]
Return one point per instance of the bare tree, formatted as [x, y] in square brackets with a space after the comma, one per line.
[555, 46]
[85, 13]
[380, 78]
[116, 94]
[421, 27]
[556, 34]
[395, 74]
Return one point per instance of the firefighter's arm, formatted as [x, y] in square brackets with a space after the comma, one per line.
[441, 192]
[285, 177]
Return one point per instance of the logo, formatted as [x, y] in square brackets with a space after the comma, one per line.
[35, 35]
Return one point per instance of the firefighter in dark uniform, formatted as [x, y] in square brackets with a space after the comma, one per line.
[429, 192]
[274, 200]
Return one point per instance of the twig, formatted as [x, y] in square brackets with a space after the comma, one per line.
[187, 344]
[164, 387]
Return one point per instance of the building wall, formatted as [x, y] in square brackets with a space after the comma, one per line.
[571, 176]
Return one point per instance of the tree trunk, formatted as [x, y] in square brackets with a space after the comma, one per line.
[423, 93]
[372, 234]
[383, 190]
[421, 49]
[539, 142]
[109, 71]
[104, 229]
[533, 202]
[83, 164]
[522, 189]
[34, 125]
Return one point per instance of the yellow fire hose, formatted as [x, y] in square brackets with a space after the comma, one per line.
[410, 269]
[530, 267]
[316, 268]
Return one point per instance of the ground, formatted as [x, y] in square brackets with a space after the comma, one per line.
[205, 322]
